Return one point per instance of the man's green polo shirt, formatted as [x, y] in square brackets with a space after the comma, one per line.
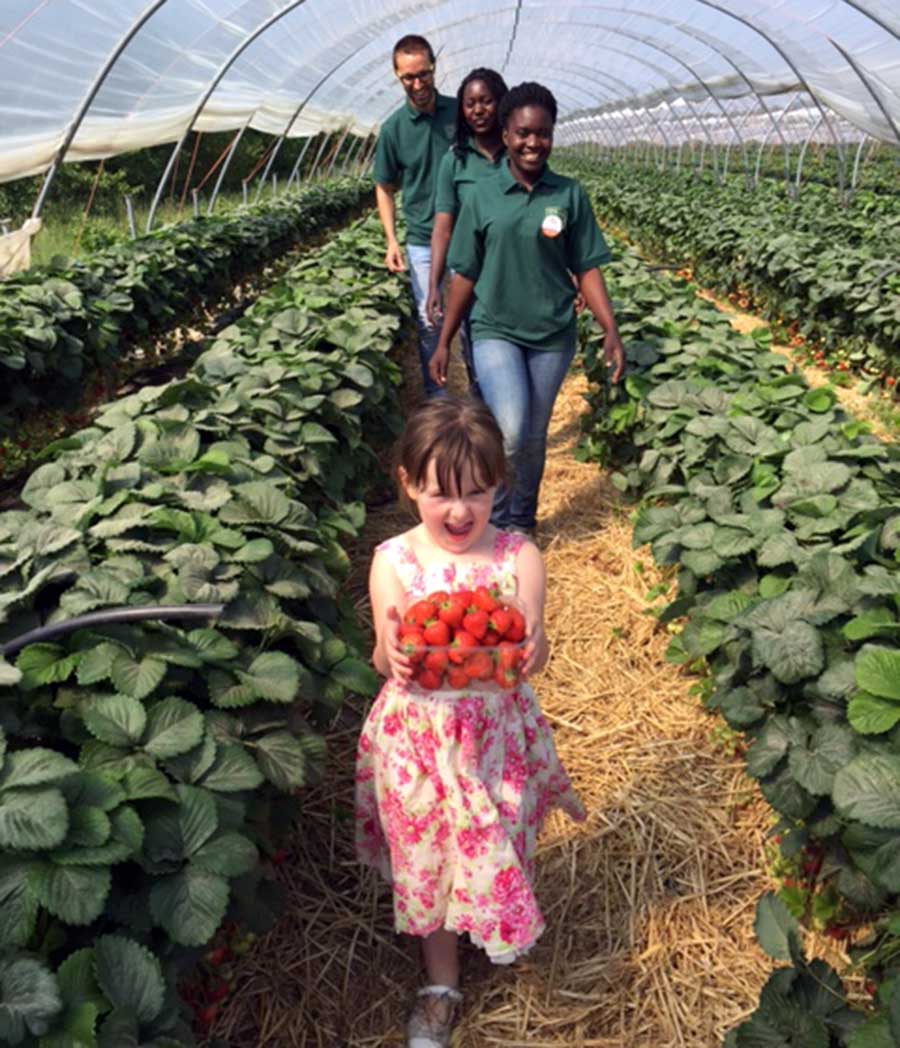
[519, 248]
[457, 176]
[411, 145]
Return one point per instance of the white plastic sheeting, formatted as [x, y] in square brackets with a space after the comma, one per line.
[300, 65]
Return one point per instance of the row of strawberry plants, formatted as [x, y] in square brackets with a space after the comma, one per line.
[780, 518]
[62, 323]
[829, 273]
[144, 767]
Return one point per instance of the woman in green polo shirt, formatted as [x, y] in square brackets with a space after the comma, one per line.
[518, 240]
[476, 153]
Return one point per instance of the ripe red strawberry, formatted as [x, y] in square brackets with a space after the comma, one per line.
[491, 638]
[436, 661]
[516, 631]
[464, 596]
[438, 597]
[428, 679]
[508, 655]
[218, 956]
[220, 991]
[461, 646]
[437, 634]
[412, 644]
[479, 666]
[457, 677]
[484, 599]
[506, 678]
[500, 620]
[206, 1016]
[451, 611]
[476, 623]
[420, 613]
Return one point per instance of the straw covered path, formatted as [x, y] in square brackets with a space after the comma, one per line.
[649, 904]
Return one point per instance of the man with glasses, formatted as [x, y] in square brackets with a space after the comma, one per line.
[410, 146]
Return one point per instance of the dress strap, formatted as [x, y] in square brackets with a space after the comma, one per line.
[506, 548]
[402, 559]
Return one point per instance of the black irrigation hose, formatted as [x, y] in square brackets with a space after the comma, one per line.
[97, 618]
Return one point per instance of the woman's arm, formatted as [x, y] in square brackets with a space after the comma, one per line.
[440, 242]
[532, 591]
[388, 604]
[459, 298]
[593, 287]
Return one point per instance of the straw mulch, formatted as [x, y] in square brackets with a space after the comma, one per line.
[649, 904]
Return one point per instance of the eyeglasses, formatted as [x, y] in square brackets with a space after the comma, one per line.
[408, 79]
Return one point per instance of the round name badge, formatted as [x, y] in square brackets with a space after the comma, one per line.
[552, 226]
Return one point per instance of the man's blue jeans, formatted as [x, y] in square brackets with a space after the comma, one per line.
[419, 258]
[519, 385]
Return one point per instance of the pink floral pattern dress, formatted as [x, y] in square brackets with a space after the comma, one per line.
[452, 788]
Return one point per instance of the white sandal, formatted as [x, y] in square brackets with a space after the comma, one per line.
[430, 1025]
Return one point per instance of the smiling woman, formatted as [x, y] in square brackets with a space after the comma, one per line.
[525, 241]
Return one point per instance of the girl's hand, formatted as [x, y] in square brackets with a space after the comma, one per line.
[434, 307]
[537, 648]
[437, 366]
[615, 355]
[399, 664]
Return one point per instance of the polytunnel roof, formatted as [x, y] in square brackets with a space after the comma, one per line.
[116, 75]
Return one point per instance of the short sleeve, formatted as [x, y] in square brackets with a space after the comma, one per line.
[466, 254]
[445, 198]
[586, 247]
[387, 169]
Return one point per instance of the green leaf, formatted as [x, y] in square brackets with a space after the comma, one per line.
[96, 663]
[29, 999]
[228, 854]
[18, 905]
[274, 675]
[34, 767]
[233, 770]
[792, 654]
[768, 747]
[282, 759]
[77, 981]
[775, 926]
[870, 624]
[355, 675]
[820, 400]
[871, 715]
[173, 727]
[830, 748]
[114, 719]
[142, 783]
[32, 819]
[88, 827]
[74, 894]
[868, 790]
[137, 678]
[189, 905]
[878, 671]
[130, 976]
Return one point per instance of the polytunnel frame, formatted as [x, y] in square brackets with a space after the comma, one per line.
[138, 24]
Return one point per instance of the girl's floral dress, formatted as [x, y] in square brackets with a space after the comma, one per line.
[452, 788]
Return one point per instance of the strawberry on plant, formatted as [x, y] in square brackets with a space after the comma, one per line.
[206, 1016]
[218, 956]
[219, 992]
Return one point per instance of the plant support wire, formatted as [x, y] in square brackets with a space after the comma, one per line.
[111, 615]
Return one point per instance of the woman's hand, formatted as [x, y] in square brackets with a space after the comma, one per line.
[437, 366]
[399, 664]
[434, 307]
[537, 648]
[580, 303]
[614, 354]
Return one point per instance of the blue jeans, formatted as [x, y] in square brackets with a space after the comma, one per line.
[419, 258]
[519, 385]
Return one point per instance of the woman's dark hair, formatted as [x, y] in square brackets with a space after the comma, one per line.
[527, 94]
[498, 89]
[456, 433]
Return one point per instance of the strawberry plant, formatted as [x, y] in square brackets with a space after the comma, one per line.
[145, 766]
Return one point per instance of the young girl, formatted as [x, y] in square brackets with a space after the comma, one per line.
[452, 786]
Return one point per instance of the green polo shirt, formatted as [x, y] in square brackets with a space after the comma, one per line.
[458, 176]
[411, 145]
[519, 247]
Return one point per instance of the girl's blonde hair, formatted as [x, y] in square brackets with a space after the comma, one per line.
[456, 432]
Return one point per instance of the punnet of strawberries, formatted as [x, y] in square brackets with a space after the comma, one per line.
[464, 639]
